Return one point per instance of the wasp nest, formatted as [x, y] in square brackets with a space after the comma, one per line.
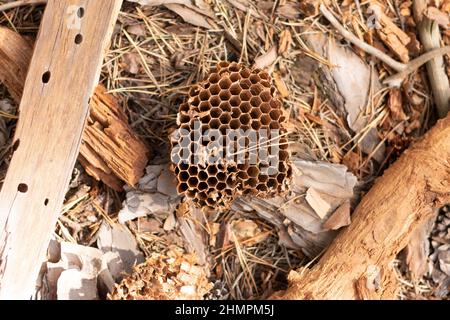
[231, 139]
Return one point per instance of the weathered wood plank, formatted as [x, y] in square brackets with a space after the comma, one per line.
[63, 73]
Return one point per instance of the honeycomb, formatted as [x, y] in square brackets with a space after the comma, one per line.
[232, 98]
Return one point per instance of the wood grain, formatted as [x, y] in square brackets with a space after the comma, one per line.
[62, 76]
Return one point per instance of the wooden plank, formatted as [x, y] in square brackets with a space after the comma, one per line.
[64, 70]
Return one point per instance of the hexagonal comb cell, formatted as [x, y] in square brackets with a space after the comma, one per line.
[239, 102]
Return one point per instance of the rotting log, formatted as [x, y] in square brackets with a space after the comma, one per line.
[63, 73]
[358, 263]
[110, 150]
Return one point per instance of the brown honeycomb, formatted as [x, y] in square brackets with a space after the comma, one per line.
[231, 97]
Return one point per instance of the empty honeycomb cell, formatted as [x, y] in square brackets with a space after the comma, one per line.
[214, 90]
[184, 176]
[274, 125]
[281, 177]
[265, 119]
[245, 107]
[224, 95]
[265, 96]
[225, 118]
[234, 67]
[272, 183]
[245, 118]
[192, 182]
[284, 155]
[182, 187]
[265, 107]
[184, 107]
[204, 95]
[256, 124]
[235, 101]
[252, 182]
[214, 123]
[275, 114]
[202, 186]
[225, 106]
[256, 102]
[212, 181]
[193, 171]
[203, 175]
[235, 124]
[275, 104]
[245, 84]
[245, 95]
[183, 118]
[215, 101]
[203, 196]
[224, 83]
[265, 83]
[255, 113]
[213, 78]
[235, 112]
[223, 64]
[235, 89]
[253, 172]
[235, 77]
[245, 73]
[212, 170]
[256, 89]
[205, 118]
[204, 106]
[254, 78]
[231, 97]
[221, 176]
[221, 186]
[216, 112]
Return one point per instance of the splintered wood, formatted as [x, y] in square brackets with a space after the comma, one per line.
[110, 150]
[63, 73]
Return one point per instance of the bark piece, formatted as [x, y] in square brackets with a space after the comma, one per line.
[110, 150]
[400, 201]
[394, 37]
[48, 136]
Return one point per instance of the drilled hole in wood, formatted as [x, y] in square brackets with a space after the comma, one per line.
[80, 12]
[22, 188]
[79, 38]
[46, 77]
[15, 145]
[46, 202]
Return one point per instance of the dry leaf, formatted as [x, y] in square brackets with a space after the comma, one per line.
[353, 79]
[289, 10]
[285, 42]
[131, 62]
[267, 59]
[197, 15]
[246, 232]
[137, 30]
[281, 85]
